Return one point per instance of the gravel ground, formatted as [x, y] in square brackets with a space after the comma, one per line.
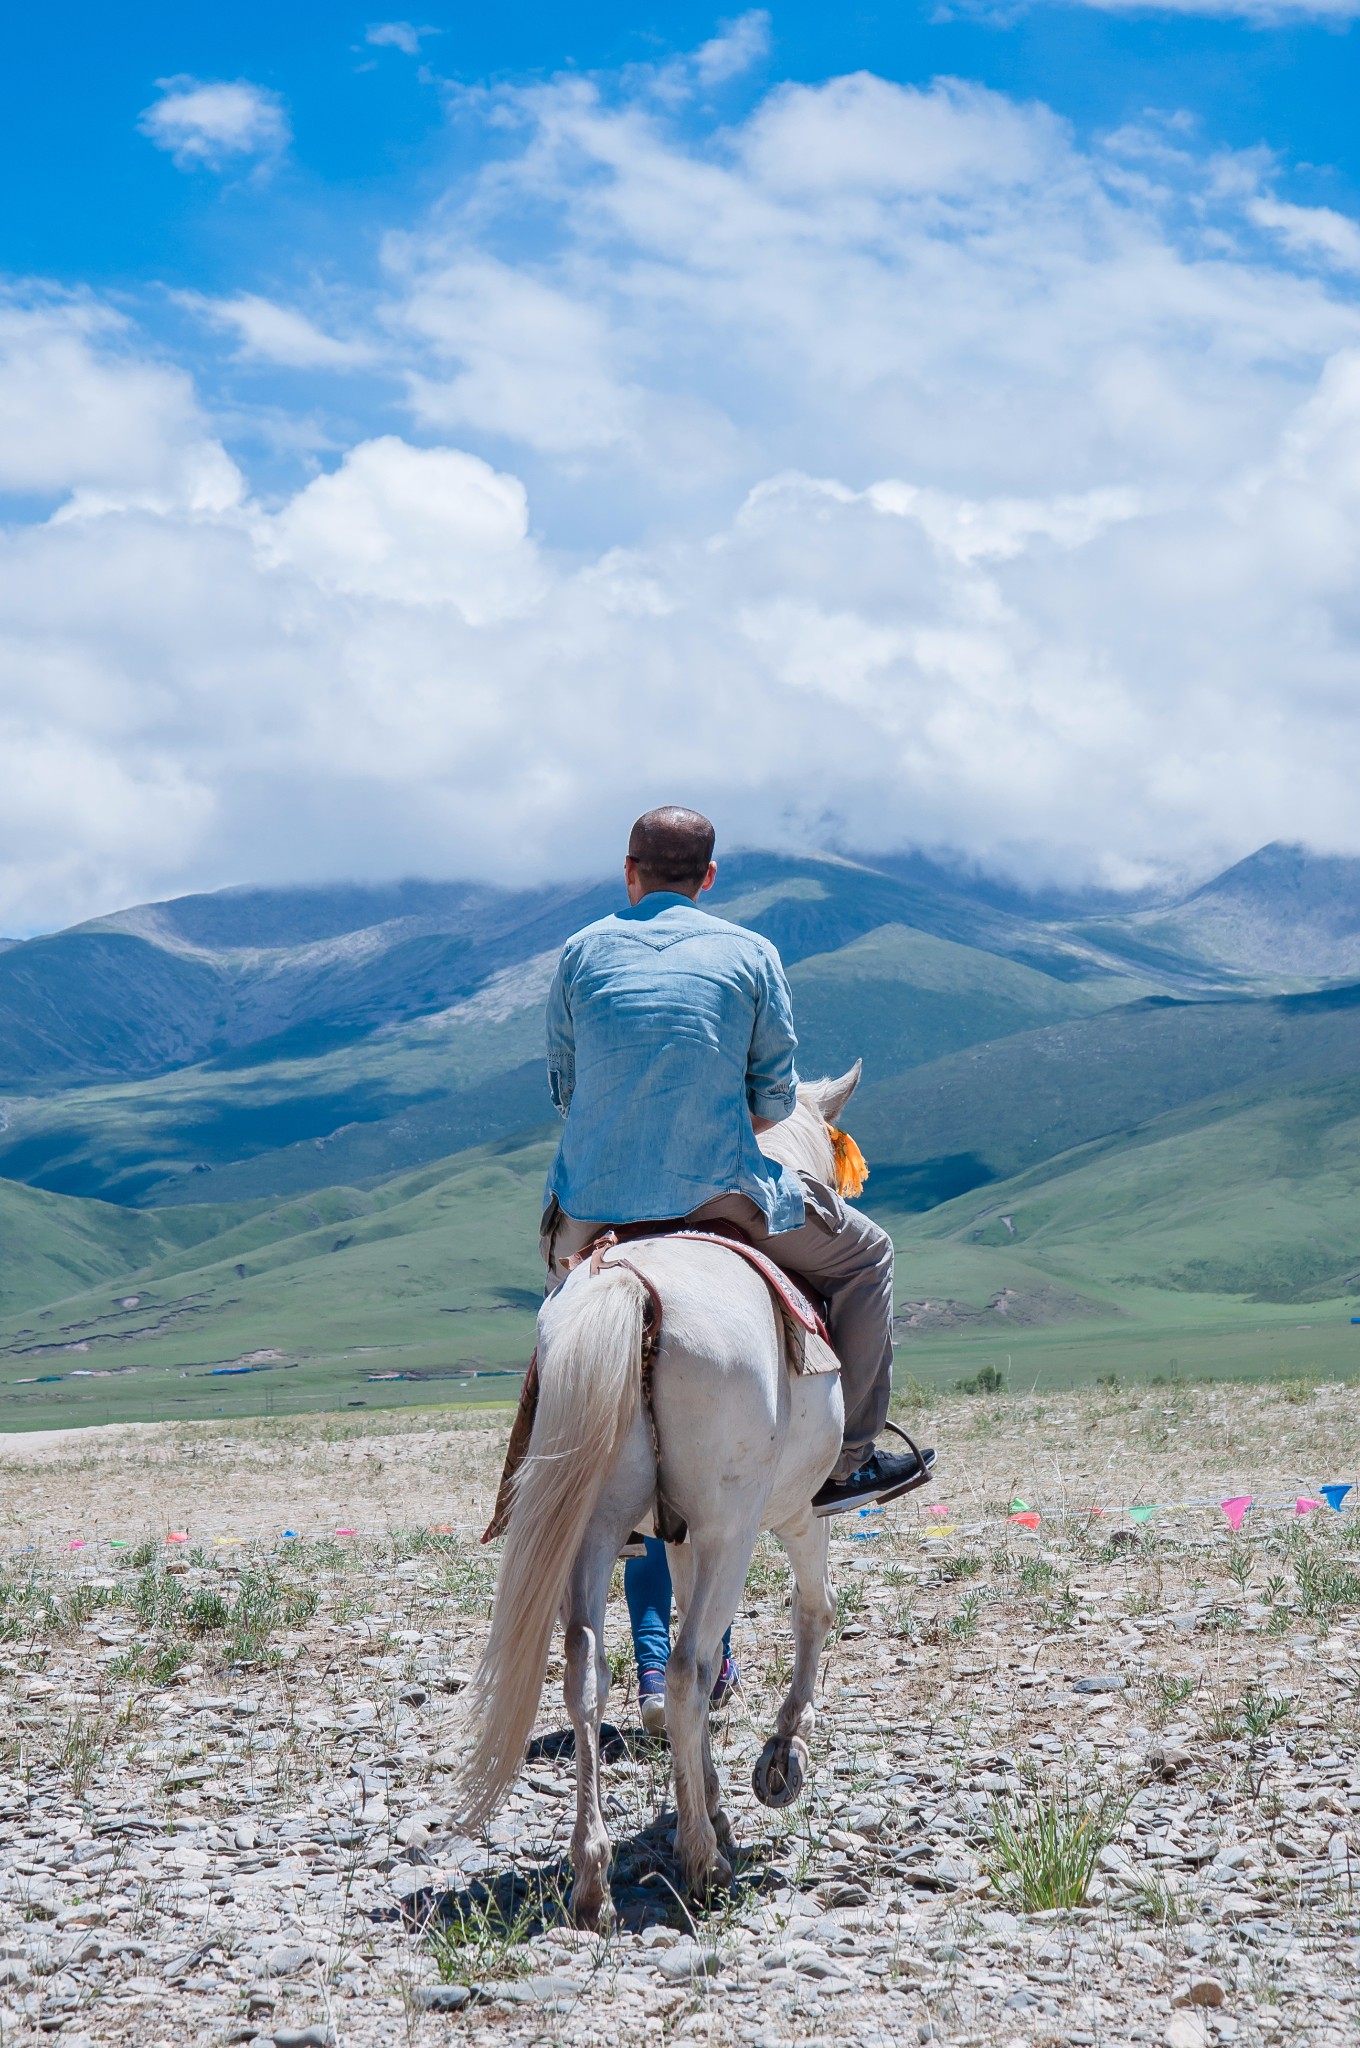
[224, 1764]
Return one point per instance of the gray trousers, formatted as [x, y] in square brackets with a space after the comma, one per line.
[845, 1256]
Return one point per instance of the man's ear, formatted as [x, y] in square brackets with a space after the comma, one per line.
[832, 1096]
[710, 878]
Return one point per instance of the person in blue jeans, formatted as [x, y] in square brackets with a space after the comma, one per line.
[647, 1589]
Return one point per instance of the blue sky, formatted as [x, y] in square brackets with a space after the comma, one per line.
[372, 139]
[423, 443]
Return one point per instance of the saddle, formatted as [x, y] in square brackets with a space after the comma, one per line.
[796, 1312]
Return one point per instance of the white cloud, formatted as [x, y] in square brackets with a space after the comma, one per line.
[87, 420]
[270, 333]
[398, 35]
[212, 123]
[739, 45]
[885, 464]
[1315, 231]
[416, 526]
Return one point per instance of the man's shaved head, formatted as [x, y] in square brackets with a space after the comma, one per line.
[672, 848]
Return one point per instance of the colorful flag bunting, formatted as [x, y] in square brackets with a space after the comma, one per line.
[938, 1509]
[1235, 1509]
[1144, 1511]
[173, 1537]
[1305, 1504]
[1334, 1495]
[1018, 1506]
[1027, 1520]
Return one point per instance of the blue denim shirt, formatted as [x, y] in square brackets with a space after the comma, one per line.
[668, 1030]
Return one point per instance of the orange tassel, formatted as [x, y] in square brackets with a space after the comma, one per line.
[852, 1169]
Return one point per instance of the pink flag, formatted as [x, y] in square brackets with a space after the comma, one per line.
[1235, 1509]
[1305, 1504]
[172, 1537]
[344, 1532]
[78, 1544]
[937, 1508]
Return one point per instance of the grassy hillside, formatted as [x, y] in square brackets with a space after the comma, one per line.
[1224, 1238]
[898, 998]
[1254, 1194]
[988, 1112]
[1221, 1238]
[51, 1247]
[435, 1273]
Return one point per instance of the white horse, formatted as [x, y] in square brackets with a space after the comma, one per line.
[744, 1446]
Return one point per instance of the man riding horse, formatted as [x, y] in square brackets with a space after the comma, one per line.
[670, 1047]
[672, 1380]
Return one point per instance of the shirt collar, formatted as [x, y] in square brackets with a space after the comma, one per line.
[654, 903]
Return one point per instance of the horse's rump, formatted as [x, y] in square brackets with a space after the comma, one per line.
[795, 1308]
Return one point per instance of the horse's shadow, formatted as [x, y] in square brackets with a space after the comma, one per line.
[513, 1903]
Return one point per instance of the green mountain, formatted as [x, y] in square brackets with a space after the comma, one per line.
[1195, 1242]
[323, 1104]
[1099, 1128]
[52, 1247]
[1253, 1193]
[985, 1113]
[430, 1280]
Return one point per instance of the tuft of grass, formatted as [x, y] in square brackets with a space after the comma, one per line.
[266, 1602]
[963, 1623]
[1169, 1693]
[205, 1611]
[1239, 1566]
[1046, 1847]
[479, 1937]
[1155, 1900]
[81, 1753]
[1259, 1710]
[988, 1379]
[152, 1664]
[1324, 1587]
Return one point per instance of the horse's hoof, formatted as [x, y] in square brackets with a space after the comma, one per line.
[780, 1770]
[591, 1907]
[592, 1915]
[717, 1877]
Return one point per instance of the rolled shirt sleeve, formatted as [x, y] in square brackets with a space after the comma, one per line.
[561, 1040]
[771, 1079]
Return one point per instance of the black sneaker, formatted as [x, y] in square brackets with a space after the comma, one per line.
[883, 1476]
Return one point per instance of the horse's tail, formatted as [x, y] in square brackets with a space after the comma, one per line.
[590, 1383]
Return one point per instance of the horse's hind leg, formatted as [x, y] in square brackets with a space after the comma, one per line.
[681, 1557]
[781, 1767]
[586, 1685]
[717, 1574]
